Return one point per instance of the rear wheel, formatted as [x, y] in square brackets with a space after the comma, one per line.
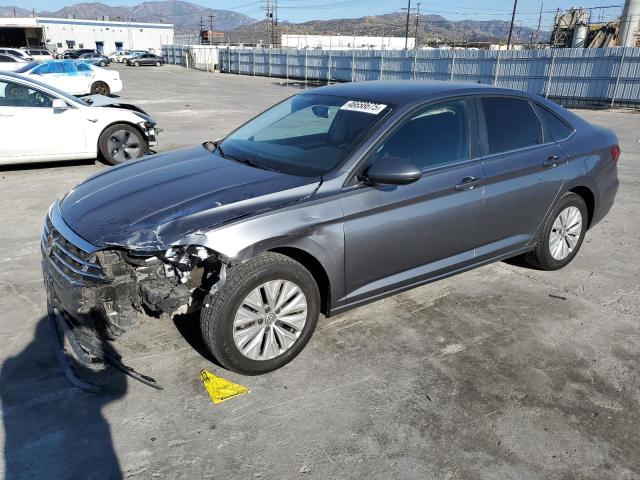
[263, 316]
[100, 88]
[562, 235]
[121, 142]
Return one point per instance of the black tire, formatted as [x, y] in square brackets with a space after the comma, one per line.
[109, 157]
[136, 64]
[158, 64]
[102, 63]
[541, 256]
[100, 88]
[218, 313]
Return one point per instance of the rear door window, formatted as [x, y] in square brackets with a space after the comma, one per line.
[68, 67]
[511, 124]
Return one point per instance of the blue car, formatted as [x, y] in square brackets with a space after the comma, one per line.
[95, 58]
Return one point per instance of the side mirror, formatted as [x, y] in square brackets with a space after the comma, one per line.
[59, 105]
[392, 171]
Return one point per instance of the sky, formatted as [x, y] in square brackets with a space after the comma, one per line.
[303, 10]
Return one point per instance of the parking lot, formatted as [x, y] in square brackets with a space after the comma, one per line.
[502, 372]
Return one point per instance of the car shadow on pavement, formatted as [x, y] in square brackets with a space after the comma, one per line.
[188, 325]
[53, 430]
[43, 165]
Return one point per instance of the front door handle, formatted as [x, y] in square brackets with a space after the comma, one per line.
[467, 183]
[552, 161]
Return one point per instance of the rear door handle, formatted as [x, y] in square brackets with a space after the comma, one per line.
[467, 183]
[552, 161]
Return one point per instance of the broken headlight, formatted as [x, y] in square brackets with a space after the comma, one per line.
[184, 260]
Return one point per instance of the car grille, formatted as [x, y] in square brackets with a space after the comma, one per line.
[70, 262]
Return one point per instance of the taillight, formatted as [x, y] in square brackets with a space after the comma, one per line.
[615, 153]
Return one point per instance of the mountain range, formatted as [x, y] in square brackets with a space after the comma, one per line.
[187, 16]
[431, 28]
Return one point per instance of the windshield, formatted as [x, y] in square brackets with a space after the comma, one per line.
[27, 66]
[306, 135]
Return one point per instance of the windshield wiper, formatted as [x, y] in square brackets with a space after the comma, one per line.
[251, 163]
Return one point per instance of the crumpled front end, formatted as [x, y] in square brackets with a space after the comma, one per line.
[95, 296]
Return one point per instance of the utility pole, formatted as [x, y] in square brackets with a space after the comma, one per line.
[275, 24]
[211, 17]
[415, 44]
[539, 24]
[513, 18]
[406, 31]
[269, 23]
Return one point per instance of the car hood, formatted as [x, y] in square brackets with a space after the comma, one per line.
[104, 101]
[150, 203]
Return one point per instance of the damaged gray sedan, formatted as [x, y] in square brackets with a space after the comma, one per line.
[331, 199]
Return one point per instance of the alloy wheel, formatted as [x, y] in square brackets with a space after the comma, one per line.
[123, 145]
[101, 89]
[270, 320]
[565, 233]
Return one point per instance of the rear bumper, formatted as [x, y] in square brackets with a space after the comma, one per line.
[115, 85]
[609, 184]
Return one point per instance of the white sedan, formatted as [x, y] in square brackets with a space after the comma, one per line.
[118, 54]
[41, 123]
[74, 76]
[11, 63]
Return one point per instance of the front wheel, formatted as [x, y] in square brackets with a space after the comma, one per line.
[100, 88]
[102, 63]
[263, 315]
[158, 64]
[136, 64]
[562, 234]
[121, 142]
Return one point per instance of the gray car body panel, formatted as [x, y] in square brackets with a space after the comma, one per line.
[370, 240]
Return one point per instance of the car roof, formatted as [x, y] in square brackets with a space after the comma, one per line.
[403, 92]
[21, 59]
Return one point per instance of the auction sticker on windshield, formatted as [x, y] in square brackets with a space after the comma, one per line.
[366, 107]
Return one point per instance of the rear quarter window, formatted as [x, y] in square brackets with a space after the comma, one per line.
[511, 123]
[557, 128]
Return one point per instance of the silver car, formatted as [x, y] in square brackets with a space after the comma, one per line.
[331, 199]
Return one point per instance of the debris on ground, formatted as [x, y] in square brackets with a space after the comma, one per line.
[559, 297]
[220, 389]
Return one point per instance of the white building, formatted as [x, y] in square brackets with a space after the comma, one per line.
[346, 42]
[65, 33]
